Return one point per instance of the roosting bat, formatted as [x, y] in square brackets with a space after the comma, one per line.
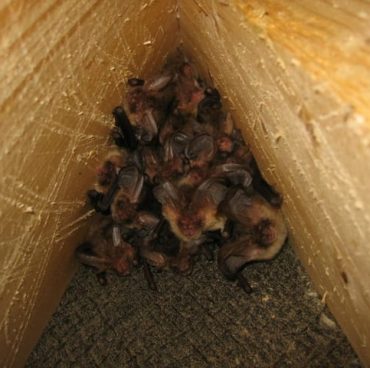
[188, 91]
[107, 181]
[104, 253]
[109, 169]
[148, 103]
[210, 108]
[124, 133]
[130, 185]
[190, 213]
[261, 232]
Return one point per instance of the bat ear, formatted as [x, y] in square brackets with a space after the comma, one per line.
[227, 126]
[150, 123]
[212, 189]
[237, 202]
[175, 145]
[158, 83]
[237, 174]
[167, 194]
[201, 144]
[132, 181]
[168, 150]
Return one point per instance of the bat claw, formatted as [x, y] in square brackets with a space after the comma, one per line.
[102, 278]
[243, 283]
[207, 252]
[149, 277]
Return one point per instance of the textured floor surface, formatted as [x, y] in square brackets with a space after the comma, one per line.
[194, 321]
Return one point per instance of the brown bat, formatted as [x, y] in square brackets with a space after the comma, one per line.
[209, 109]
[261, 231]
[192, 212]
[105, 249]
[250, 210]
[188, 91]
[160, 246]
[126, 199]
[148, 103]
[150, 224]
[107, 181]
[108, 170]
[222, 130]
[123, 133]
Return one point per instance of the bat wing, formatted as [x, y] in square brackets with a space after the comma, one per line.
[232, 257]
[237, 174]
[237, 205]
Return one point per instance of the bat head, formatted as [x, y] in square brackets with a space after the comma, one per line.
[123, 260]
[105, 173]
[122, 209]
[225, 144]
[265, 232]
[190, 226]
[136, 99]
[187, 71]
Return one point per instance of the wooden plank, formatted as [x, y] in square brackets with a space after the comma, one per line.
[62, 69]
[297, 77]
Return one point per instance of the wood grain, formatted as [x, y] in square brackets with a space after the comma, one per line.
[63, 64]
[297, 77]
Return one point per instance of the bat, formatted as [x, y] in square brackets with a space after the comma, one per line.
[102, 252]
[260, 235]
[192, 212]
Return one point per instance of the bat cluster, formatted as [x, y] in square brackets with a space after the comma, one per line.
[180, 183]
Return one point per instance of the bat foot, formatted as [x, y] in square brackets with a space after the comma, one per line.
[102, 278]
[207, 252]
[244, 284]
[149, 277]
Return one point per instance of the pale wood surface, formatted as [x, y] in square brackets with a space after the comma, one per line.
[63, 64]
[297, 77]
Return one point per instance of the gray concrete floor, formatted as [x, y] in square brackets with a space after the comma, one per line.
[199, 320]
